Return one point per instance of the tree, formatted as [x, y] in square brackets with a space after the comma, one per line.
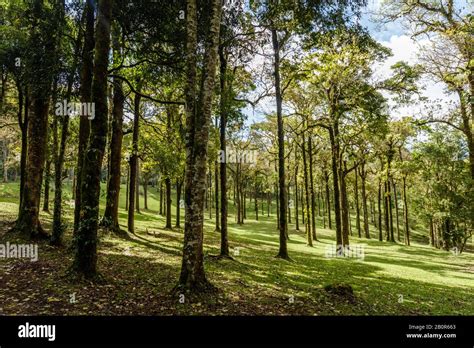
[449, 28]
[110, 218]
[198, 114]
[85, 258]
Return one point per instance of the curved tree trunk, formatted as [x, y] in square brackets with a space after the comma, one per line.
[311, 181]
[168, 203]
[110, 218]
[86, 96]
[283, 199]
[363, 177]
[309, 235]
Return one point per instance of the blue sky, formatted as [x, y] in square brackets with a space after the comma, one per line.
[395, 36]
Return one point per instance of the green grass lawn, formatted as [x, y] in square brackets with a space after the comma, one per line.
[141, 271]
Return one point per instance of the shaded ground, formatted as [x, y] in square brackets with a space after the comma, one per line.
[140, 272]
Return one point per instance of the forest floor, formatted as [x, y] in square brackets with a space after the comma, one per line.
[140, 271]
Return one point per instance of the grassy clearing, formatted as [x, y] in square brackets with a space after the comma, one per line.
[141, 271]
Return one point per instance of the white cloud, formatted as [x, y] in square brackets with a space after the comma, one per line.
[406, 49]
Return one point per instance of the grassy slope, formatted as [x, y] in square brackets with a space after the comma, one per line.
[140, 273]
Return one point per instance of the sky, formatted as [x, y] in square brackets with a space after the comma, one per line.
[396, 37]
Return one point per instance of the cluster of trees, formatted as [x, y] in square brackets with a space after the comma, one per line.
[169, 82]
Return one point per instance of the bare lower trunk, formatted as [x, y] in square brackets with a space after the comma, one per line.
[283, 199]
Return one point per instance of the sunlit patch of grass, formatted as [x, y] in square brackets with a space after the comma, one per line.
[391, 278]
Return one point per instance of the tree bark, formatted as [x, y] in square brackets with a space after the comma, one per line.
[110, 218]
[283, 199]
[344, 206]
[47, 179]
[198, 115]
[309, 235]
[405, 212]
[179, 185]
[296, 199]
[379, 205]
[363, 176]
[137, 188]
[223, 165]
[86, 96]
[356, 198]
[396, 208]
[23, 123]
[85, 260]
[333, 134]
[134, 164]
[311, 181]
[328, 198]
[168, 203]
[40, 87]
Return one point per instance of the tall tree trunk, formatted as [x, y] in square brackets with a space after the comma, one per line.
[40, 87]
[405, 212]
[311, 181]
[198, 115]
[328, 198]
[47, 179]
[386, 211]
[344, 206]
[23, 122]
[161, 197]
[216, 194]
[256, 199]
[309, 235]
[145, 192]
[134, 164]
[238, 194]
[86, 96]
[179, 185]
[58, 227]
[168, 203]
[379, 205]
[396, 208]
[110, 218]
[283, 199]
[296, 199]
[4, 160]
[432, 235]
[357, 207]
[137, 188]
[363, 177]
[390, 210]
[85, 260]
[277, 206]
[127, 185]
[223, 165]
[333, 135]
